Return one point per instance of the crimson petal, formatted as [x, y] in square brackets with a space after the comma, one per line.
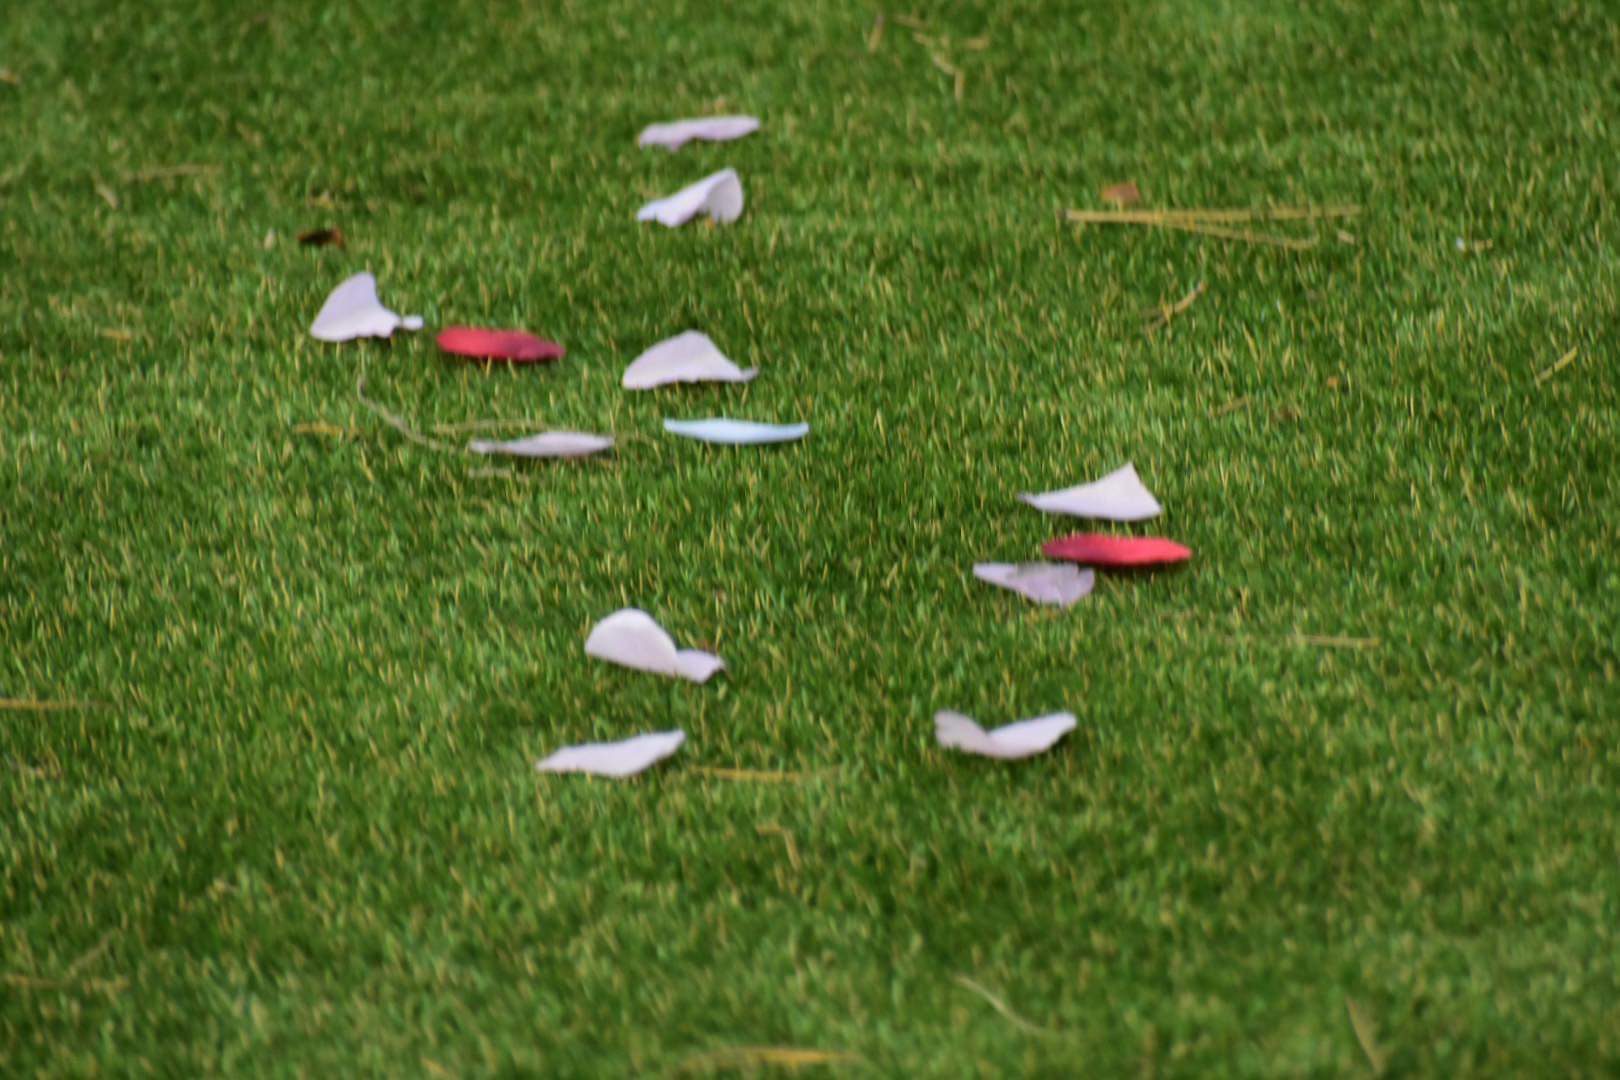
[1099, 549]
[513, 346]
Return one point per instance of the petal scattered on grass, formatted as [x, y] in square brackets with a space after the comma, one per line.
[1061, 584]
[688, 357]
[1023, 739]
[736, 432]
[353, 311]
[1119, 496]
[511, 346]
[1098, 549]
[630, 638]
[719, 196]
[677, 133]
[546, 444]
[615, 759]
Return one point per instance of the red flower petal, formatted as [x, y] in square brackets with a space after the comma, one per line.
[514, 346]
[1098, 549]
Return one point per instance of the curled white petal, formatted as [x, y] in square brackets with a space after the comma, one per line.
[689, 357]
[736, 432]
[1023, 739]
[677, 133]
[719, 195]
[1061, 584]
[615, 759]
[353, 311]
[630, 638]
[546, 444]
[1119, 496]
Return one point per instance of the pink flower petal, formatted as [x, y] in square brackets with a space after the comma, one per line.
[1097, 549]
[513, 346]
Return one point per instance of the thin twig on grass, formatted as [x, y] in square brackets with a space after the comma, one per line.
[169, 172]
[321, 427]
[875, 37]
[756, 775]
[485, 425]
[1563, 362]
[28, 705]
[1002, 1007]
[792, 1058]
[957, 77]
[1232, 406]
[399, 423]
[1217, 223]
[1162, 315]
[1336, 641]
[1367, 1036]
[1209, 217]
[787, 840]
[1221, 232]
[489, 473]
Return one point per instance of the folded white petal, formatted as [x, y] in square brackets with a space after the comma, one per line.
[1119, 496]
[630, 638]
[1046, 583]
[689, 357]
[615, 759]
[353, 311]
[674, 135]
[1020, 740]
[547, 444]
[736, 432]
[719, 195]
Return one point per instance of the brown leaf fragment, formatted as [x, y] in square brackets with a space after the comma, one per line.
[1126, 194]
[325, 237]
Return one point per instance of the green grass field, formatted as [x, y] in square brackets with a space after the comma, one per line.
[1358, 759]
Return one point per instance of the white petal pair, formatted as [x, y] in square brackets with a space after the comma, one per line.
[353, 311]
[1023, 739]
[718, 196]
[629, 637]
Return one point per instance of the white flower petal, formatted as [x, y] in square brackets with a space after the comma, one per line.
[736, 432]
[547, 444]
[1023, 739]
[672, 136]
[615, 759]
[630, 638]
[353, 311]
[719, 195]
[1046, 583]
[1119, 496]
[689, 357]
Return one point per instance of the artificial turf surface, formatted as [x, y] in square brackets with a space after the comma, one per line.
[1358, 758]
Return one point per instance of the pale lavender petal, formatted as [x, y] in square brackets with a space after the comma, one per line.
[674, 135]
[736, 432]
[1119, 496]
[615, 759]
[688, 357]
